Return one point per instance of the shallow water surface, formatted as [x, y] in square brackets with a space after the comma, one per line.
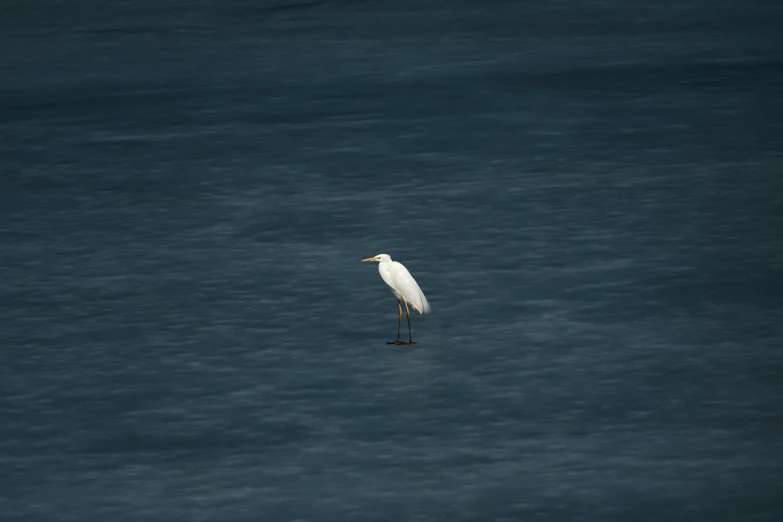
[589, 195]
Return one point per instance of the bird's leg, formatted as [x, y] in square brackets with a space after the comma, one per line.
[410, 335]
[399, 325]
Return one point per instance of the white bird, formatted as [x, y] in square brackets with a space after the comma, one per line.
[404, 287]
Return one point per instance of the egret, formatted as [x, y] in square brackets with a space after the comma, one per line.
[404, 287]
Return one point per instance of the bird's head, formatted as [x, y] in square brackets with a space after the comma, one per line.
[380, 258]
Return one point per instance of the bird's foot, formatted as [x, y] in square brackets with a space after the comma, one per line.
[396, 342]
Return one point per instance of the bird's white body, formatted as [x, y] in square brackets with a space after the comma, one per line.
[402, 284]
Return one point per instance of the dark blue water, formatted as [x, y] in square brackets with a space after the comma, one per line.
[589, 194]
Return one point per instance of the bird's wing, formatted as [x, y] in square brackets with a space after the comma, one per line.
[408, 288]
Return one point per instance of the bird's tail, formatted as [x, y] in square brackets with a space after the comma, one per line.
[424, 306]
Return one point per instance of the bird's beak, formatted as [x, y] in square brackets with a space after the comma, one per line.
[368, 259]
